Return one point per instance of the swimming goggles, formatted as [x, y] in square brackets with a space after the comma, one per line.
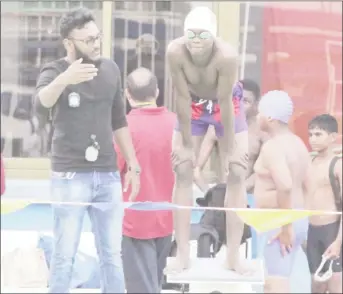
[202, 35]
[325, 276]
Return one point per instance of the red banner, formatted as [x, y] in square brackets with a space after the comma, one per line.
[302, 54]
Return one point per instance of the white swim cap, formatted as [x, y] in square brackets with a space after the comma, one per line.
[201, 18]
[276, 105]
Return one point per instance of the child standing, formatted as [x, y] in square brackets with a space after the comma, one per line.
[324, 182]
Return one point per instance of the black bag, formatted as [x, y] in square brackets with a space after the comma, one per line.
[214, 221]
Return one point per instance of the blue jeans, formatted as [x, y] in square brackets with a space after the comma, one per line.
[97, 187]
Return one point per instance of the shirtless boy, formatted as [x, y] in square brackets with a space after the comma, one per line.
[325, 231]
[280, 175]
[203, 70]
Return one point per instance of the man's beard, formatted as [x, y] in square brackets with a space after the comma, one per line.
[85, 59]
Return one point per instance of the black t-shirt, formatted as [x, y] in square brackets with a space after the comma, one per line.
[99, 112]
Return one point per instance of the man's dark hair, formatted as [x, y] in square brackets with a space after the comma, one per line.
[325, 122]
[252, 86]
[74, 19]
[141, 84]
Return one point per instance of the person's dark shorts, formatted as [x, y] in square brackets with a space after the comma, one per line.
[143, 263]
[318, 240]
[207, 112]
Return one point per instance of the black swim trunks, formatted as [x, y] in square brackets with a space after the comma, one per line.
[319, 238]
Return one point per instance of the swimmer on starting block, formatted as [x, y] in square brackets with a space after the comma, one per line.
[280, 175]
[203, 70]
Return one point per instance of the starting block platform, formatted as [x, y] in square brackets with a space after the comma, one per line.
[208, 275]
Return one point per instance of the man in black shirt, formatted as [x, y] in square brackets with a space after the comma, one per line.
[83, 94]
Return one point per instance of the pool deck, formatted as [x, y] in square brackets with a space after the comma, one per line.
[38, 218]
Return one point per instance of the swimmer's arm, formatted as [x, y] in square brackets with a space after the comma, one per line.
[338, 174]
[306, 190]
[280, 173]
[250, 182]
[183, 99]
[226, 78]
[306, 184]
[264, 137]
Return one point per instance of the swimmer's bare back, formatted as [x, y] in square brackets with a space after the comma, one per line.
[211, 81]
[283, 162]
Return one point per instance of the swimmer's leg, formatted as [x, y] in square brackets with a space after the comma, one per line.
[183, 195]
[235, 197]
[314, 251]
[235, 184]
[335, 283]
[220, 161]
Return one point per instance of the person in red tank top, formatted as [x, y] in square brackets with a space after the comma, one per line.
[147, 234]
[2, 176]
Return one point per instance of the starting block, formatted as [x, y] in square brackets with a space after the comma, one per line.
[208, 275]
